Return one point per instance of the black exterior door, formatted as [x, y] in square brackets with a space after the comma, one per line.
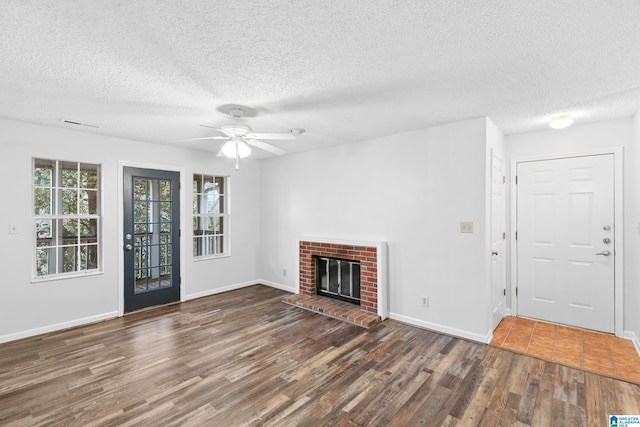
[151, 238]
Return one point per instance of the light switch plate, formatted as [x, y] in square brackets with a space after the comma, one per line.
[466, 227]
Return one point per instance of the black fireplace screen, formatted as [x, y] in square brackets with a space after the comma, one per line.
[338, 278]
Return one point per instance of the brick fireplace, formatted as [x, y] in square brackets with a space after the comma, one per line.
[373, 296]
[368, 268]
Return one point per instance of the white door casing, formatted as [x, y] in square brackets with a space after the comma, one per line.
[498, 229]
[563, 209]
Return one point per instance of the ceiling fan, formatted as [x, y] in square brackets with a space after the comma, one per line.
[240, 136]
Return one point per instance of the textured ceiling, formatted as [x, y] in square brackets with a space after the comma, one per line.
[344, 70]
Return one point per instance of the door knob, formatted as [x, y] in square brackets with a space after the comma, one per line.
[605, 253]
[128, 247]
[494, 253]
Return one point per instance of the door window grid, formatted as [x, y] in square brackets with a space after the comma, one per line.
[152, 223]
[210, 215]
[66, 203]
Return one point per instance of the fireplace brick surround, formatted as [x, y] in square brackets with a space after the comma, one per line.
[368, 269]
[372, 257]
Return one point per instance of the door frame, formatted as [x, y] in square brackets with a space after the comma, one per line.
[497, 315]
[183, 224]
[618, 232]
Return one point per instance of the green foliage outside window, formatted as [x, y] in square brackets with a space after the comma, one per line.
[67, 217]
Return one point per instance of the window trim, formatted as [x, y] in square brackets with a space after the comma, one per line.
[98, 216]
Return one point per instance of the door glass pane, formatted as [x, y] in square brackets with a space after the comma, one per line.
[165, 254]
[152, 224]
[165, 211]
[152, 209]
[165, 190]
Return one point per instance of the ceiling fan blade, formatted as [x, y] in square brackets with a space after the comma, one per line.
[198, 139]
[271, 135]
[219, 130]
[266, 147]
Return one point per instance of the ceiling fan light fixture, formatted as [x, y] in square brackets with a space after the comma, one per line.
[230, 147]
[560, 122]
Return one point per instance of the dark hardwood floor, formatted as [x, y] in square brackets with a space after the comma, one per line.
[245, 358]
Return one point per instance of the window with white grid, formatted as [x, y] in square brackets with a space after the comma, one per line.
[210, 216]
[67, 214]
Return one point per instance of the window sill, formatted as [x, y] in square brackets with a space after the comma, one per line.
[210, 257]
[65, 276]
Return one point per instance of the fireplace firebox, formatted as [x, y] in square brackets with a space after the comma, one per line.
[338, 278]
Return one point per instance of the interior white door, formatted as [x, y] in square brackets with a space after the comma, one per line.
[498, 264]
[565, 241]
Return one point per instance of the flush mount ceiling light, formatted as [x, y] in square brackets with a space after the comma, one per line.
[560, 122]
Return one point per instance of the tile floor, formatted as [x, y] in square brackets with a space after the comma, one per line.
[592, 351]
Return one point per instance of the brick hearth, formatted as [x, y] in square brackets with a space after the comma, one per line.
[364, 315]
[340, 310]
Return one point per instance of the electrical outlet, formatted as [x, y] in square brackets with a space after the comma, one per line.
[425, 301]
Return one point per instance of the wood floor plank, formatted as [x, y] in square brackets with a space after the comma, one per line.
[243, 358]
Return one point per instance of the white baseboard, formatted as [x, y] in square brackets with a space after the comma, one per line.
[239, 286]
[285, 288]
[58, 326]
[221, 290]
[485, 339]
[634, 339]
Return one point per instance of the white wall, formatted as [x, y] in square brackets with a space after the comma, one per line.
[632, 242]
[28, 308]
[599, 136]
[411, 190]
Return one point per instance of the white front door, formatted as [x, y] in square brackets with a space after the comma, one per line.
[498, 264]
[565, 241]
